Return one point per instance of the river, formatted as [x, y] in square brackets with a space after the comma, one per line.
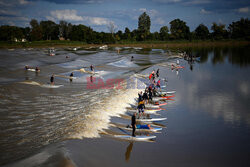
[208, 120]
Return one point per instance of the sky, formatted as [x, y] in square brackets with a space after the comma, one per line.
[100, 14]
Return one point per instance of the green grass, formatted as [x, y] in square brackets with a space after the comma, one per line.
[143, 44]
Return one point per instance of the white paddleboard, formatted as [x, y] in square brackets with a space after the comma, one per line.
[146, 111]
[31, 69]
[167, 92]
[50, 86]
[136, 138]
[151, 119]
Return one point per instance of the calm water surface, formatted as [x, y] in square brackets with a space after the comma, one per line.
[208, 122]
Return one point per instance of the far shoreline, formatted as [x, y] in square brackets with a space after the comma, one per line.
[145, 44]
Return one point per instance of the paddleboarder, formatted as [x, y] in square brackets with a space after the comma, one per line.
[133, 123]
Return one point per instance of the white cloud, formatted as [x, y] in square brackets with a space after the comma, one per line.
[97, 20]
[160, 21]
[71, 15]
[203, 11]
[5, 12]
[153, 12]
[243, 10]
[143, 10]
[68, 15]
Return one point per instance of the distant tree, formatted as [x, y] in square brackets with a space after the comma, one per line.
[219, 31]
[63, 25]
[179, 29]
[127, 34]
[240, 29]
[26, 33]
[155, 36]
[202, 32]
[36, 32]
[11, 33]
[164, 33]
[144, 24]
[119, 35]
[49, 30]
[111, 27]
[134, 35]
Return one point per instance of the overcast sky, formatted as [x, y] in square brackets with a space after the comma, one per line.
[123, 13]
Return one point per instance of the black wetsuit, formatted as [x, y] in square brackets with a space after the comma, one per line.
[157, 73]
[51, 79]
[140, 98]
[71, 75]
[145, 96]
[91, 68]
[133, 123]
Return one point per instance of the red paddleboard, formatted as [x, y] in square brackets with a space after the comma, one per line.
[179, 67]
[166, 97]
[163, 104]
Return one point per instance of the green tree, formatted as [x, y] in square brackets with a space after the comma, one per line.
[219, 31]
[240, 29]
[127, 34]
[202, 32]
[144, 24]
[49, 30]
[179, 29]
[36, 32]
[164, 33]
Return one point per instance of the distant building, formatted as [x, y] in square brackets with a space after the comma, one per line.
[61, 38]
[20, 40]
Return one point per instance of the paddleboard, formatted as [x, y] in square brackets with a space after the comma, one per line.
[167, 92]
[145, 111]
[153, 129]
[50, 86]
[136, 138]
[151, 119]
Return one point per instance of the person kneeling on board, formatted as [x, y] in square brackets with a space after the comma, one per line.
[133, 123]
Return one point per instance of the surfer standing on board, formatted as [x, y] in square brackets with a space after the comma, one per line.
[133, 123]
[92, 67]
[52, 79]
[71, 75]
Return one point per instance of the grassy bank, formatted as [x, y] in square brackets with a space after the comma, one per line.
[145, 44]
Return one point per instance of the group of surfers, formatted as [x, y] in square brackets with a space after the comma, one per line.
[146, 97]
[52, 78]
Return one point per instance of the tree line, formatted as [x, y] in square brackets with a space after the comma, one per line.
[49, 30]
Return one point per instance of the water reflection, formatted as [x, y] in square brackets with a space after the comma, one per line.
[236, 56]
[213, 89]
[128, 151]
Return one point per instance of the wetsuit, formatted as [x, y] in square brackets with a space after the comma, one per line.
[140, 98]
[145, 96]
[52, 79]
[71, 75]
[141, 106]
[158, 84]
[157, 73]
[150, 93]
[91, 67]
[133, 123]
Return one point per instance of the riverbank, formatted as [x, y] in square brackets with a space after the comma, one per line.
[146, 44]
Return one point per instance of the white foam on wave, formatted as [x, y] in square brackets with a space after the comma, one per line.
[123, 63]
[75, 64]
[99, 117]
